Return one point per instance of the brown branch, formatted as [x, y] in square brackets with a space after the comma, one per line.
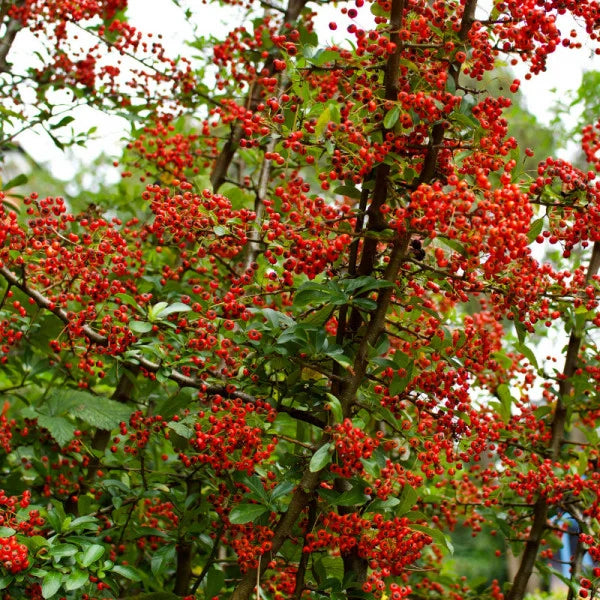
[559, 422]
[219, 172]
[301, 573]
[12, 29]
[301, 498]
[140, 362]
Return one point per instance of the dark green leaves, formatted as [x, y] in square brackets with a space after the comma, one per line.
[535, 229]
[321, 458]
[391, 117]
[162, 559]
[246, 513]
[91, 554]
[58, 427]
[51, 584]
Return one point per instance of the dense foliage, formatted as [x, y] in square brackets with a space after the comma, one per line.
[299, 345]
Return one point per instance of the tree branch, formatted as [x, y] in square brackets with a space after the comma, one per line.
[559, 422]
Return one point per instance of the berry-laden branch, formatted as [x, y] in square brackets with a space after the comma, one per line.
[310, 480]
[225, 157]
[141, 362]
[559, 423]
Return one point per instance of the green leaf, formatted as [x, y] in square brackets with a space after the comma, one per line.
[348, 190]
[256, 487]
[535, 229]
[283, 489]
[61, 550]
[99, 411]
[51, 584]
[364, 303]
[519, 327]
[35, 542]
[335, 408]
[215, 580]
[173, 308]
[398, 384]
[5, 581]
[140, 326]
[352, 497]
[322, 122]
[438, 537]
[453, 245]
[21, 179]
[245, 513]
[311, 293]
[391, 117]
[59, 428]
[366, 283]
[181, 429]
[321, 458]
[506, 401]
[154, 311]
[127, 299]
[408, 499]
[63, 122]
[126, 571]
[6, 532]
[86, 522]
[91, 554]
[76, 580]
[528, 354]
[161, 559]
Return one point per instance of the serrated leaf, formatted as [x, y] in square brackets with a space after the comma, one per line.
[101, 412]
[321, 458]
[391, 117]
[245, 513]
[6, 532]
[91, 554]
[51, 584]
[181, 429]
[59, 428]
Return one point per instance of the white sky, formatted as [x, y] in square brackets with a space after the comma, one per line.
[565, 68]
